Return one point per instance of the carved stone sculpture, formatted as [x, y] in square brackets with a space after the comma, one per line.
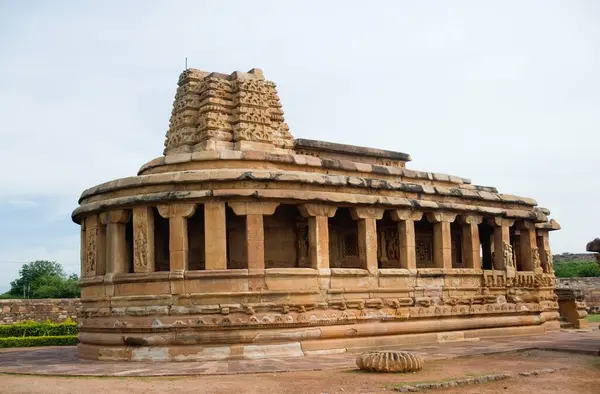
[507, 254]
[535, 260]
[389, 361]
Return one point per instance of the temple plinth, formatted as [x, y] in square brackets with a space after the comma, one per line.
[243, 242]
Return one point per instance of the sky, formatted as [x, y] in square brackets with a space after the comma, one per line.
[506, 93]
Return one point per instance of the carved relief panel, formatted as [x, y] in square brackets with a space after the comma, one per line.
[388, 247]
[424, 250]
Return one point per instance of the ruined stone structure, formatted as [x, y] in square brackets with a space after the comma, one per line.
[594, 246]
[243, 242]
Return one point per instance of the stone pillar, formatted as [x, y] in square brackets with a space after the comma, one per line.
[545, 253]
[503, 252]
[367, 235]
[116, 250]
[215, 236]
[255, 237]
[442, 241]
[529, 252]
[470, 240]
[143, 239]
[178, 237]
[406, 236]
[318, 234]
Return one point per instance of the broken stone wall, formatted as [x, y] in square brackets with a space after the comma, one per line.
[56, 310]
[590, 288]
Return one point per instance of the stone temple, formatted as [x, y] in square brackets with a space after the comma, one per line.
[244, 242]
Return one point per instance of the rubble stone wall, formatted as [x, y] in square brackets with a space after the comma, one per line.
[56, 310]
[590, 288]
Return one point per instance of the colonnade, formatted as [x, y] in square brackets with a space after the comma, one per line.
[106, 249]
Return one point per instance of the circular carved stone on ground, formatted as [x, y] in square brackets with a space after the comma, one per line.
[389, 361]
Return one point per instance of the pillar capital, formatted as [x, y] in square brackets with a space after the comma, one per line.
[116, 216]
[526, 225]
[366, 213]
[439, 217]
[169, 211]
[406, 214]
[500, 222]
[308, 210]
[91, 221]
[542, 232]
[243, 208]
[470, 219]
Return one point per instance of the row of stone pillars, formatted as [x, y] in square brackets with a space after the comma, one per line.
[104, 238]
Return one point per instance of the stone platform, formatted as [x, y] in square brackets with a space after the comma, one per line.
[63, 360]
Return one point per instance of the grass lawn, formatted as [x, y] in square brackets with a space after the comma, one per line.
[594, 318]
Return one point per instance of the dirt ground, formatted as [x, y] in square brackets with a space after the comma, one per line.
[582, 376]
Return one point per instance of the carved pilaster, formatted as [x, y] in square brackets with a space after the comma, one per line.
[95, 247]
[143, 239]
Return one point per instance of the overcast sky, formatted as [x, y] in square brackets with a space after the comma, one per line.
[506, 93]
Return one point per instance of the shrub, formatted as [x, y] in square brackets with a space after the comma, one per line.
[33, 329]
[574, 269]
[62, 340]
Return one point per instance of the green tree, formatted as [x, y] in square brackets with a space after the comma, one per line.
[44, 279]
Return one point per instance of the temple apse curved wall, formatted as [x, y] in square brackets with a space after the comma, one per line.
[243, 242]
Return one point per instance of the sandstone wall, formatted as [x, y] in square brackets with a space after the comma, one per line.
[57, 310]
[589, 286]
